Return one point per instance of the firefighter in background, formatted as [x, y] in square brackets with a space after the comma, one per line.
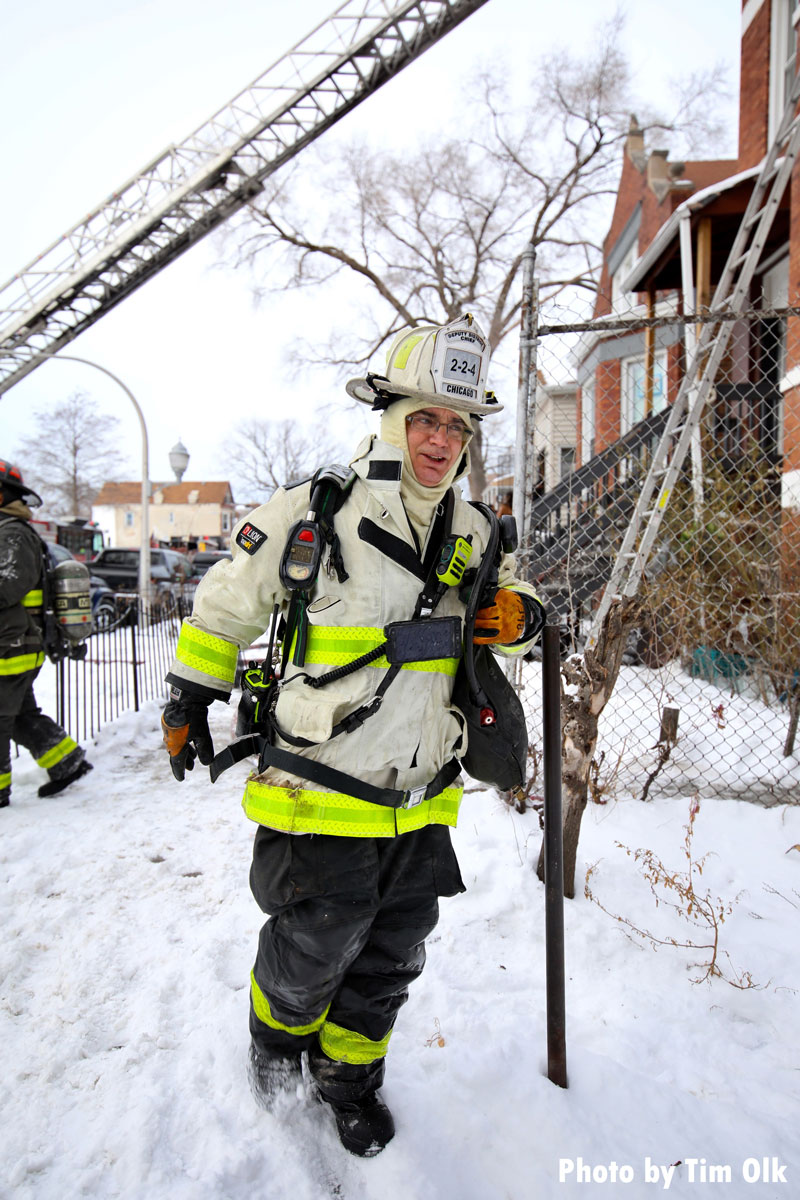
[352, 884]
[22, 567]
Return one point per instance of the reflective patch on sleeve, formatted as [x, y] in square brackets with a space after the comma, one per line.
[211, 655]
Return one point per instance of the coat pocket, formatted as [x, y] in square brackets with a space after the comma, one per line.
[306, 713]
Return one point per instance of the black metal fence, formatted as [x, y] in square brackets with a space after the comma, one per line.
[124, 667]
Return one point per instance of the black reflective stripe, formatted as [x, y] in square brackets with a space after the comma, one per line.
[393, 547]
[400, 552]
[385, 469]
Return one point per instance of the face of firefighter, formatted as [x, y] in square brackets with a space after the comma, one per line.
[432, 450]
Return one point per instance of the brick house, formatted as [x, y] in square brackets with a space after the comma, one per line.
[672, 228]
[181, 514]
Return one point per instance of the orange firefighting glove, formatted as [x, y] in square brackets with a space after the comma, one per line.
[510, 617]
[186, 735]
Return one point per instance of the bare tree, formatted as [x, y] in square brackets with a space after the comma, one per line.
[592, 677]
[439, 231]
[74, 451]
[265, 455]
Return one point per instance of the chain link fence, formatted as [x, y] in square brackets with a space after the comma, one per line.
[708, 695]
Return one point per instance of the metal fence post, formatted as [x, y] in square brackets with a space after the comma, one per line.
[135, 664]
[553, 859]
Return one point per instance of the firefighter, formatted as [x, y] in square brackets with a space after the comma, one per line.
[22, 570]
[351, 884]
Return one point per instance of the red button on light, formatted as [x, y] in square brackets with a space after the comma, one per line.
[305, 535]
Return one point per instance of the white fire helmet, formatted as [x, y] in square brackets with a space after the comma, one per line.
[446, 365]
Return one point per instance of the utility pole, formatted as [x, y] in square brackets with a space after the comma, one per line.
[523, 478]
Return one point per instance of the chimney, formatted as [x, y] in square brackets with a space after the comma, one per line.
[634, 144]
[658, 175]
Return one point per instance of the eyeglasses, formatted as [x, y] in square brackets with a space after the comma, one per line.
[456, 430]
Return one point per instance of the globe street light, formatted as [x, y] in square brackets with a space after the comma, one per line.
[179, 459]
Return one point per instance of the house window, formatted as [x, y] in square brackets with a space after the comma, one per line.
[633, 388]
[621, 301]
[566, 460]
[226, 522]
[172, 518]
[783, 58]
[775, 295]
[129, 520]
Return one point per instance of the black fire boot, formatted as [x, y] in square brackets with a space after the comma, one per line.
[57, 785]
[271, 1075]
[365, 1126]
[5, 797]
[363, 1122]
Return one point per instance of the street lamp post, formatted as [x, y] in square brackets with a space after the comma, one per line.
[144, 555]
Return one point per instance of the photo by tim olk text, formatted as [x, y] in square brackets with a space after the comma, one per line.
[688, 1170]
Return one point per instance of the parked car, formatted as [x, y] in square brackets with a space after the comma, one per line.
[119, 567]
[104, 605]
[206, 558]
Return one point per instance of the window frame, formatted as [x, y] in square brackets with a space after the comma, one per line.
[627, 364]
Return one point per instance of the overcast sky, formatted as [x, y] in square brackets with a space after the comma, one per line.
[92, 91]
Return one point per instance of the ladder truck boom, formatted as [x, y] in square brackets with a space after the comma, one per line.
[191, 188]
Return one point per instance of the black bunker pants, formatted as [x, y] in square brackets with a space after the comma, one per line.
[22, 721]
[345, 938]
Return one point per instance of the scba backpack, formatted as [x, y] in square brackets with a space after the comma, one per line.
[66, 609]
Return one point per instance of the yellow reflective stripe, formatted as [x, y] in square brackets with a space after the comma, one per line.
[299, 810]
[339, 645]
[343, 1045]
[5, 780]
[264, 1013]
[405, 348]
[211, 655]
[33, 599]
[51, 757]
[19, 663]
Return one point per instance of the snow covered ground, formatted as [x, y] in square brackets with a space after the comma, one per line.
[128, 936]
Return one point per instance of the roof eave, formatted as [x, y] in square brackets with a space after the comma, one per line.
[634, 282]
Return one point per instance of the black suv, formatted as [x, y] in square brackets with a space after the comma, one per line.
[119, 567]
[206, 558]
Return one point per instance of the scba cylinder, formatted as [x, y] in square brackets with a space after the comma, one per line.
[71, 598]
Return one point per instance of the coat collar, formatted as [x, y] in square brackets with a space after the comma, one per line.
[380, 466]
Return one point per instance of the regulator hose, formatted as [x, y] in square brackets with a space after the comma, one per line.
[486, 577]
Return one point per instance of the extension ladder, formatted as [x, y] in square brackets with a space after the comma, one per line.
[686, 413]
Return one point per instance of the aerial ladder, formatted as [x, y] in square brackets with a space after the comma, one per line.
[191, 188]
[685, 415]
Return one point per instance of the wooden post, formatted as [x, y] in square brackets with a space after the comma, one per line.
[649, 353]
[668, 735]
[703, 287]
